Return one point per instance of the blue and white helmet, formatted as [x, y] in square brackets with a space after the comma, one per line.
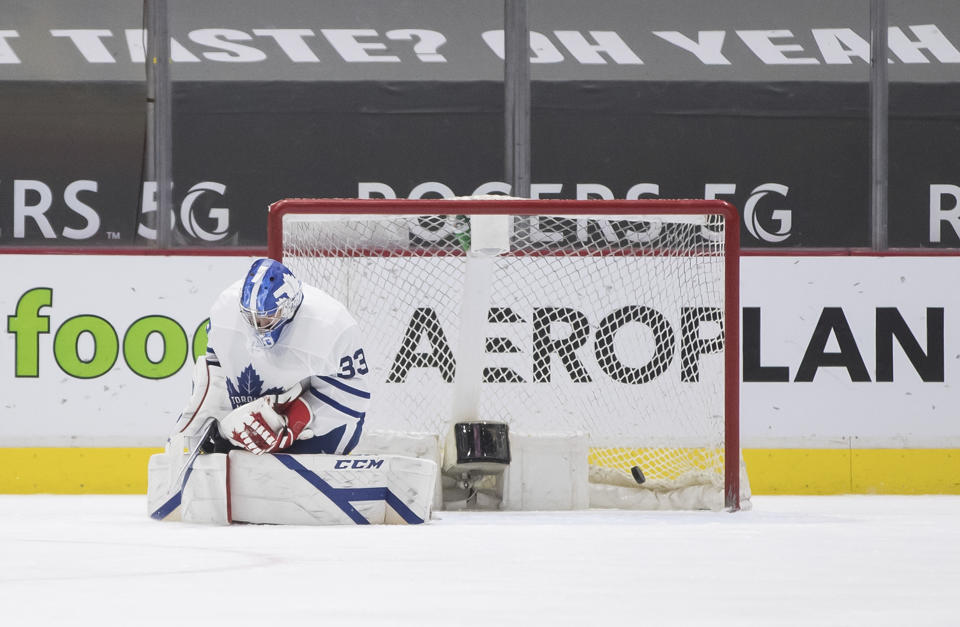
[269, 298]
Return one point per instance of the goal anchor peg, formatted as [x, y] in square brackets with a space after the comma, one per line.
[475, 457]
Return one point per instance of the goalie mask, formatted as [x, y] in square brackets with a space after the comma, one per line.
[269, 298]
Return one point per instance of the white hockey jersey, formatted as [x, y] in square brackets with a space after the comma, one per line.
[320, 348]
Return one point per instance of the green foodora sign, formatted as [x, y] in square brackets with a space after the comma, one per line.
[87, 346]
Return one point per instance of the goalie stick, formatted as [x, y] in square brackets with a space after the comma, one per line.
[173, 501]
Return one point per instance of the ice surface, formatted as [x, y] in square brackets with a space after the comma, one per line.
[853, 560]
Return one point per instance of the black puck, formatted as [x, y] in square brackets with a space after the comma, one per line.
[637, 475]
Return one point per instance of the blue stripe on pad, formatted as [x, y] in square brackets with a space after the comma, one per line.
[341, 497]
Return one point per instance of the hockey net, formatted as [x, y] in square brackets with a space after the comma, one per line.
[617, 319]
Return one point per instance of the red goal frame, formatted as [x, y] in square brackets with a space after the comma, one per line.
[281, 208]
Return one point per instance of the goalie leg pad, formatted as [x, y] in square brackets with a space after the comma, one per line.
[192, 489]
[206, 494]
[331, 489]
[305, 489]
[163, 492]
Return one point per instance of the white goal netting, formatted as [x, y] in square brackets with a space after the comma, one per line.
[595, 317]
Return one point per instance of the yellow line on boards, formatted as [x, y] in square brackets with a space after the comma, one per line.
[771, 471]
[74, 470]
[853, 471]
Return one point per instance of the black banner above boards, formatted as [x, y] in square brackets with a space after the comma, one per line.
[762, 104]
[71, 162]
[427, 140]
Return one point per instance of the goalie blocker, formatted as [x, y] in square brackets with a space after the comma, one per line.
[280, 488]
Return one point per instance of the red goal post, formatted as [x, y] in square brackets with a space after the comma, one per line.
[617, 269]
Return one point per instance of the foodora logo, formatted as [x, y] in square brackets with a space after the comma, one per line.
[87, 346]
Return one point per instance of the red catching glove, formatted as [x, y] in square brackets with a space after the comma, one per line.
[267, 424]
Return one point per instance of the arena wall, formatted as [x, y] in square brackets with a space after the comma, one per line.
[848, 370]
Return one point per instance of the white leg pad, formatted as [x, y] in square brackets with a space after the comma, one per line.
[292, 489]
[205, 495]
[163, 491]
[309, 489]
[331, 489]
[419, 445]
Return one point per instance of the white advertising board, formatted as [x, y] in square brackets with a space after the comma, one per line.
[96, 350]
[838, 351]
[850, 351]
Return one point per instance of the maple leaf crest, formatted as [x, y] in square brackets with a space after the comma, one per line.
[249, 383]
[249, 386]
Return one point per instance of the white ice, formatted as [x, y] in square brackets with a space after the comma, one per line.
[812, 561]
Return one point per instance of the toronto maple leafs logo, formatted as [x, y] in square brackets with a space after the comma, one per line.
[288, 291]
[248, 387]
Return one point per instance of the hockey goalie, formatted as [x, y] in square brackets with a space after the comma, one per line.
[278, 404]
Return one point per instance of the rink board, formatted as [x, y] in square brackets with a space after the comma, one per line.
[64, 428]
